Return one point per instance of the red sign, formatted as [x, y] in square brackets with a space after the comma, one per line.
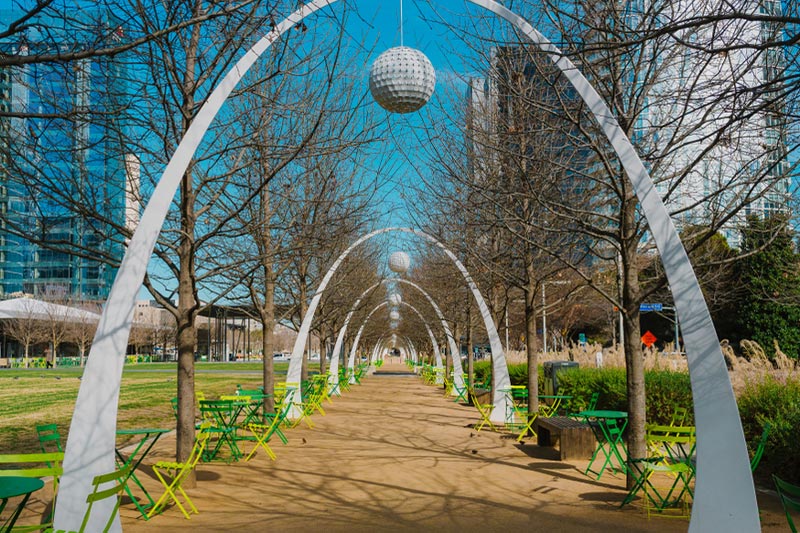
[648, 339]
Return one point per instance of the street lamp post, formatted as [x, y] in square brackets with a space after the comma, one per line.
[544, 312]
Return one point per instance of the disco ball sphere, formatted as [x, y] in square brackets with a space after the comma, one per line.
[399, 262]
[402, 79]
[394, 315]
[394, 300]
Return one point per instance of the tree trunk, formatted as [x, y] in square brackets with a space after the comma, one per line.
[323, 349]
[268, 337]
[470, 350]
[187, 290]
[634, 362]
[531, 347]
[303, 311]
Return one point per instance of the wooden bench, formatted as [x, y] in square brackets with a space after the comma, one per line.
[576, 439]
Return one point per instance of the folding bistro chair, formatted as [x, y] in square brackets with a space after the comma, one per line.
[485, 411]
[172, 475]
[665, 477]
[306, 406]
[32, 465]
[262, 433]
[460, 392]
[790, 499]
[762, 444]
[49, 438]
[119, 478]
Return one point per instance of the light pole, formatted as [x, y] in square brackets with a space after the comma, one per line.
[544, 312]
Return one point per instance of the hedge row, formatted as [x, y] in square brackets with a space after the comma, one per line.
[761, 402]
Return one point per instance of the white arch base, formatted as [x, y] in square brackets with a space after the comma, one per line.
[725, 495]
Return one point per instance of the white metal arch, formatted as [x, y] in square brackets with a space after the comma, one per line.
[354, 348]
[435, 344]
[499, 367]
[337, 347]
[458, 374]
[458, 370]
[724, 496]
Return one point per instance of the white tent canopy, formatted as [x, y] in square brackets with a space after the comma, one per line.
[28, 308]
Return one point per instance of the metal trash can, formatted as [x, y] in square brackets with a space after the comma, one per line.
[551, 370]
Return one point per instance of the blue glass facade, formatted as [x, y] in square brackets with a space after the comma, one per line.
[62, 177]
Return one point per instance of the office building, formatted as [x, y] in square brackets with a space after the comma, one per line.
[66, 184]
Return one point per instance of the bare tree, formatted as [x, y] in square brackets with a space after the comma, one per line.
[81, 330]
[27, 329]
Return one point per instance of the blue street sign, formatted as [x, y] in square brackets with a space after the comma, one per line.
[644, 308]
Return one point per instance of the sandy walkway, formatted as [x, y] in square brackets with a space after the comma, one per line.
[393, 455]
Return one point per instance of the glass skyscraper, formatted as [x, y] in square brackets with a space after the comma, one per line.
[63, 177]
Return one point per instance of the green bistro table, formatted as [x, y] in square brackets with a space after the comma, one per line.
[224, 415]
[608, 427]
[135, 458]
[13, 486]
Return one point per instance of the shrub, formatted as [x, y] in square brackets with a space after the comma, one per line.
[665, 391]
[771, 401]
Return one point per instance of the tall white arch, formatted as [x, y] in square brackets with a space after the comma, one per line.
[434, 343]
[354, 348]
[499, 367]
[724, 496]
[458, 373]
[458, 369]
[337, 347]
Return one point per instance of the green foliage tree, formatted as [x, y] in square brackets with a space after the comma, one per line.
[769, 273]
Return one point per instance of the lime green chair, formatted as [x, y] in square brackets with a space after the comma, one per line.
[172, 475]
[119, 478]
[34, 465]
[262, 433]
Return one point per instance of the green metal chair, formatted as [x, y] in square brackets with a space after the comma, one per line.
[49, 438]
[790, 499]
[762, 444]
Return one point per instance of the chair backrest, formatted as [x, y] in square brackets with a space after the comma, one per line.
[670, 434]
[215, 410]
[286, 402]
[119, 478]
[255, 394]
[790, 499]
[33, 465]
[678, 416]
[200, 443]
[762, 444]
[17, 464]
[592, 405]
[49, 438]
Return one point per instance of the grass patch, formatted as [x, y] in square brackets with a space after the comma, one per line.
[30, 397]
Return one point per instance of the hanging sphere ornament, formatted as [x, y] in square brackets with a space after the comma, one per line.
[394, 300]
[399, 262]
[402, 80]
[394, 315]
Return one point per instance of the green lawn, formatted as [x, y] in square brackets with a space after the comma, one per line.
[29, 397]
